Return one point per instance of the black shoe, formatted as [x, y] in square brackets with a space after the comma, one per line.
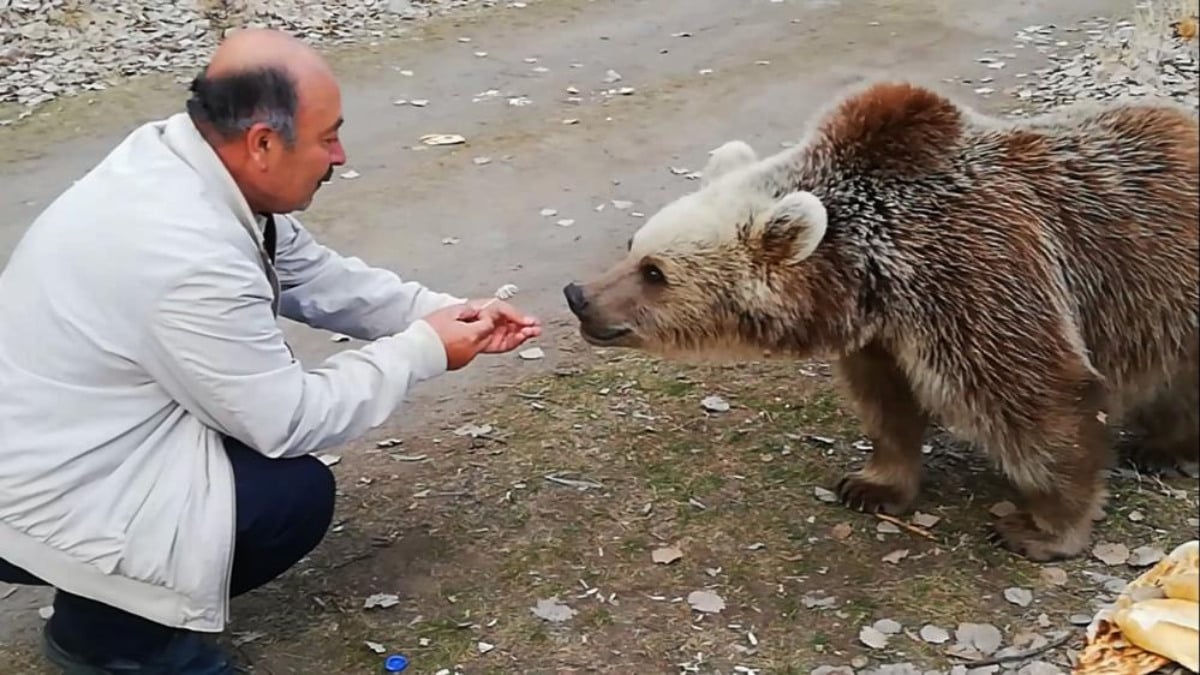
[186, 654]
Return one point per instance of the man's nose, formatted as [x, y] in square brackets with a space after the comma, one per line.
[575, 298]
[338, 156]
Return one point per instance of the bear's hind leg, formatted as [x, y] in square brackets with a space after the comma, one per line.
[1060, 478]
[894, 422]
[1167, 428]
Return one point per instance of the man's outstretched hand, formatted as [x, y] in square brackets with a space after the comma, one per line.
[472, 329]
[510, 329]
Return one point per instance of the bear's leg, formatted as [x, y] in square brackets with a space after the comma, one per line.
[1058, 470]
[894, 422]
[1167, 428]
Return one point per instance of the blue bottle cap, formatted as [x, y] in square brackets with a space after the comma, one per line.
[395, 663]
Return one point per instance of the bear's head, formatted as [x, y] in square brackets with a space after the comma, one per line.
[730, 269]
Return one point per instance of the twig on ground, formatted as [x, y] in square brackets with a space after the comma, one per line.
[1022, 655]
[911, 528]
[569, 482]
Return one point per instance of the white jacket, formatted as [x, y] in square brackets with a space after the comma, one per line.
[138, 323]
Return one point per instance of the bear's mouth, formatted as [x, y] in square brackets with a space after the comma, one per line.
[604, 336]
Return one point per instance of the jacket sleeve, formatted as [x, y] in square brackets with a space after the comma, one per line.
[343, 294]
[213, 343]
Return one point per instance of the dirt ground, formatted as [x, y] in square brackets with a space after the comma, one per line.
[466, 529]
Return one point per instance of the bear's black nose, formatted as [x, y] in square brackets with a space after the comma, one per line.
[575, 299]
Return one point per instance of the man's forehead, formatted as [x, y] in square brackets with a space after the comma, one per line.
[320, 104]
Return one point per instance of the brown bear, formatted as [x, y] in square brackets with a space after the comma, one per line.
[1024, 282]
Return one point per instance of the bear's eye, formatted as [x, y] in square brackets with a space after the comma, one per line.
[653, 274]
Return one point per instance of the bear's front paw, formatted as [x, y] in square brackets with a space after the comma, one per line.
[861, 494]
[1019, 533]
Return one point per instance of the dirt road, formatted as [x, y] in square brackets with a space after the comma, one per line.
[752, 69]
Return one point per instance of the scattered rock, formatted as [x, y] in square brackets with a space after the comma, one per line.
[983, 637]
[666, 555]
[1145, 556]
[872, 637]
[887, 626]
[1002, 509]
[707, 602]
[1020, 597]
[925, 520]
[1055, 576]
[884, 527]
[552, 610]
[824, 495]
[1111, 554]
[381, 600]
[934, 635]
[715, 403]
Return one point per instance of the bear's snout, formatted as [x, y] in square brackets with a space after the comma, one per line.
[575, 298]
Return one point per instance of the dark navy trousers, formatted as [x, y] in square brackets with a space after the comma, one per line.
[284, 508]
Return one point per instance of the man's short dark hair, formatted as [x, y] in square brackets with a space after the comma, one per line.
[231, 104]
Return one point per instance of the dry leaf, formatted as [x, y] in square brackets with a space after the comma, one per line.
[896, 556]
[841, 531]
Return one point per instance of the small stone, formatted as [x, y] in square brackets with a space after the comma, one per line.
[1111, 554]
[1145, 556]
[983, 637]
[884, 527]
[1002, 509]
[934, 635]
[825, 495]
[714, 403]
[925, 520]
[1018, 596]
[872, 637]
[1055, 576]
[887, 626]
[706, 602]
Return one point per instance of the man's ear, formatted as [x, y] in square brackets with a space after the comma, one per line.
[730, 156]
[261, 142]
[797, 224]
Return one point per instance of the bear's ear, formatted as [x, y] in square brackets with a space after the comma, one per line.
[729, 157]
[796, 224]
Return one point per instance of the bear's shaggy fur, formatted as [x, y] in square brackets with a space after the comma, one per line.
[1023, 282]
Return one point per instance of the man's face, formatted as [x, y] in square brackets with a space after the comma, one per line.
[294, 174]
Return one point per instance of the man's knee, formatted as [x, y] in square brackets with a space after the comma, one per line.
[319, 494]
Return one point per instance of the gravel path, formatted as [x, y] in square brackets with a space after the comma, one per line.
[54, 48]
[470, 217]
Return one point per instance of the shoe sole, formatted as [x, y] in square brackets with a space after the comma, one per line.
[59, 657]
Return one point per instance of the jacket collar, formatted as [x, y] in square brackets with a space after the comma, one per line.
[184, 139]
